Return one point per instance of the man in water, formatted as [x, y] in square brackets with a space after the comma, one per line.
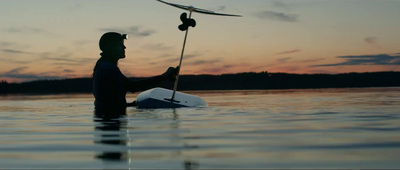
[110, 85]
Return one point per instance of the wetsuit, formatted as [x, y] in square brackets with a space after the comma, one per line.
[110, 87]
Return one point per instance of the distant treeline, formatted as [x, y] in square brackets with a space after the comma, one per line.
[240, 81]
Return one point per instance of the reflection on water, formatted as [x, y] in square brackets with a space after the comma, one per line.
[115, 132]
[111, 132]
[316, 128]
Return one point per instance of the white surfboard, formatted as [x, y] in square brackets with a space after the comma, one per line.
[161, 98]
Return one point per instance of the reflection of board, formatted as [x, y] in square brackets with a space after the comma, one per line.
[161, 98]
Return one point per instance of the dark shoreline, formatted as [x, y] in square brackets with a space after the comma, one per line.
[239, 81]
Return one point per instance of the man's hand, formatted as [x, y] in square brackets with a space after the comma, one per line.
[171, 73]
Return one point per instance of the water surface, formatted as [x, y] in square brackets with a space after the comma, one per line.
[317, 128]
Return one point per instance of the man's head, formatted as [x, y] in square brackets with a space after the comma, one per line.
[112, 43]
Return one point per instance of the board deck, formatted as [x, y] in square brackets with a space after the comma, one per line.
[161, 98]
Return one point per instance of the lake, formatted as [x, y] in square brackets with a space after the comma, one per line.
[313, 128]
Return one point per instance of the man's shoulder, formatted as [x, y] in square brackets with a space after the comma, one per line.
[106, 69]
[107, 66]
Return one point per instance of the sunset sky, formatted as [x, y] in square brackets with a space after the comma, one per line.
[51, 39]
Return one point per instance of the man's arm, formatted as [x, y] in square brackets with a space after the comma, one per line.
[141, 85]
[147, 83]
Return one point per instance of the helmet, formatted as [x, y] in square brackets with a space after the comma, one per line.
[110, 38]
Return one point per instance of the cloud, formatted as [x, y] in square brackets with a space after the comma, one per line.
[279, 4]
[312, 60]
[289, 68]
[174, 58]
[82, 42]
[157, 47]
[75, 7]
[217, 70]
[288, 52]
[24, 30]
[65, 58]
[193, 55]
[171, 60]
[61, 57]
[13, 61]
[68, 71]
[18, 73]
[6, 44]
[283, 60]
[16, 70]
[277, 16]
[135, 31]
[221, 8]
[13, 30]
[203, 62]
[263, 67]
[379, 59]
[371, 40]
[15, 51]
[13, 48]
[72, 62]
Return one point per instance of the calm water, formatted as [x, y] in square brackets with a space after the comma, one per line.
[327, 128]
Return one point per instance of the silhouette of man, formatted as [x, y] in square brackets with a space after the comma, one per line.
[109, 84]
